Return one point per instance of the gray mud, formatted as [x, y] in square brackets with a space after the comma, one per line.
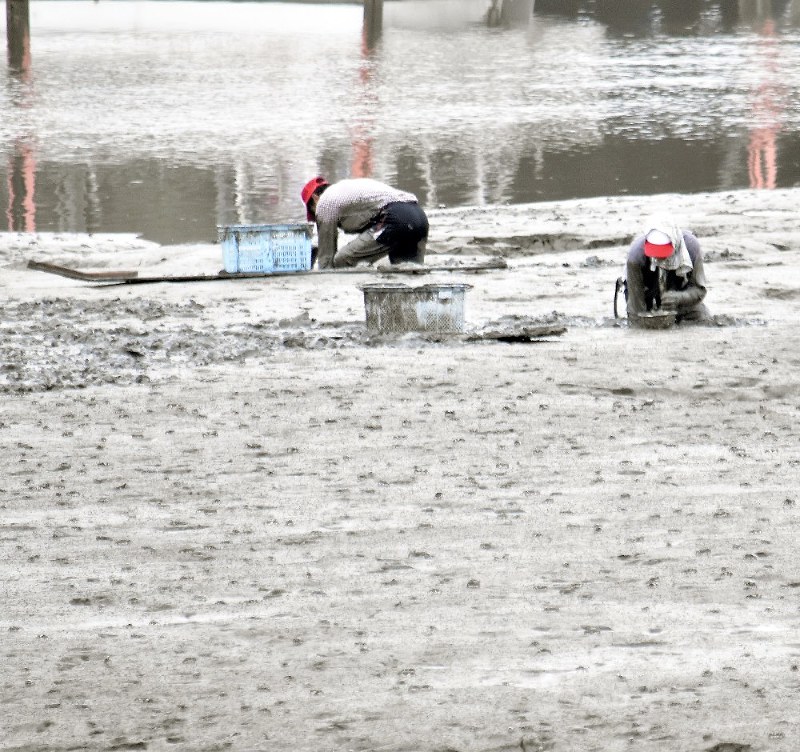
[231, 520]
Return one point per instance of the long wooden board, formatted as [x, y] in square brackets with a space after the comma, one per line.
[131, 277]
[65, 271]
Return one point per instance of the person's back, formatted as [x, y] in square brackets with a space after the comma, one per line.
[351, 204]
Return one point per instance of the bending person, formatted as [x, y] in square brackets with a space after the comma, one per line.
[386, 222]
[664, 271]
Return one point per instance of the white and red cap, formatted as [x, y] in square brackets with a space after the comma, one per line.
[658, 245]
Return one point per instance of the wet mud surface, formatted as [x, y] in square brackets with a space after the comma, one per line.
[488, 548]
[232, 520]
[48, 344]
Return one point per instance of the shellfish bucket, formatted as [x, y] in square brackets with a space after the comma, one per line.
[392, 309]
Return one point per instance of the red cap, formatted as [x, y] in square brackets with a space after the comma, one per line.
[658, 245]
[308, 192]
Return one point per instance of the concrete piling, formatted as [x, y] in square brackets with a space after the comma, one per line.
[18, 32]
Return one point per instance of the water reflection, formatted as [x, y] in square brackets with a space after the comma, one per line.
[637, 17]
[21, 188]
[762, 150]
[364, 126]
[144, 117]
[509, 13]
[21, 158]
[451, 15]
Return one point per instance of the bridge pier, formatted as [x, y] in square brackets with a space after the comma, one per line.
[18, 33]
[373, 22]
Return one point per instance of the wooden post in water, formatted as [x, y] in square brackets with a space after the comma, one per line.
[21, 209]
[373, 22]
[18, 32]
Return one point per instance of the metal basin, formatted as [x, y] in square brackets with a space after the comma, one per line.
[656, 320]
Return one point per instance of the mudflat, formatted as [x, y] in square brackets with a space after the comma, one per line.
[232, 518]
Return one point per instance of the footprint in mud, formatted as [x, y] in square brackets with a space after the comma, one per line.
[782, 293]
[121, 744]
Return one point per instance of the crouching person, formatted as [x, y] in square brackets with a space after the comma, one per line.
[386, 222]
[664, 272]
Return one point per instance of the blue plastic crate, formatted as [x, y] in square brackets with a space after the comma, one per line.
[265, 248]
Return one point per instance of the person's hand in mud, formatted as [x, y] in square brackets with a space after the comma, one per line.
[671, 299]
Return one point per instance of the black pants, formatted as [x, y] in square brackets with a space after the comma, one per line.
[405, 226]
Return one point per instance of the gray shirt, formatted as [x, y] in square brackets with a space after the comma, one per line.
[351, 205]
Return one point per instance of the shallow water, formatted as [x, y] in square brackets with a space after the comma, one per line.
[169, 118]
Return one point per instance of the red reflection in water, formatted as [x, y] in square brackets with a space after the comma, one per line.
[361, 166]
[362, 160]
[21, 180]
[762, 158]
[762, 150]
[21, 183]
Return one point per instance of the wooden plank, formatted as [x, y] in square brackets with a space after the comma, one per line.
[65, 271]
[133, 278]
